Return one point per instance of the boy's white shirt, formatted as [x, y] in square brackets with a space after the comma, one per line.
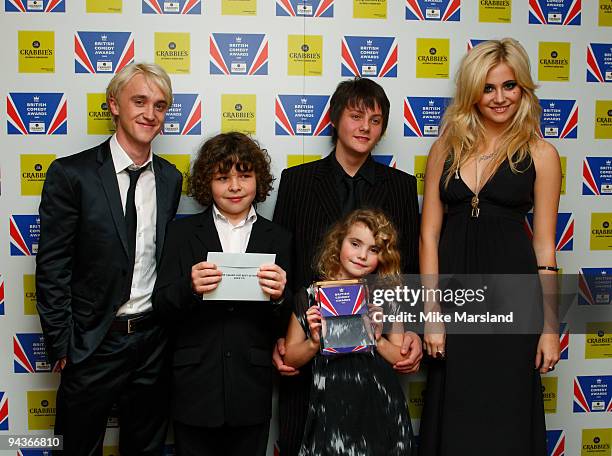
[234, 238]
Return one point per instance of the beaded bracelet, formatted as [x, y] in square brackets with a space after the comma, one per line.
[548, 268]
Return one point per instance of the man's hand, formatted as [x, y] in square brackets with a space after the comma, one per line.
[277, 359]
[205, 277]
[411, 347]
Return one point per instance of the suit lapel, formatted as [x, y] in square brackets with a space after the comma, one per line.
[259, 240]
[207, 234]
[324, 189]
[378, 193]
[111, 189]
[161, 195]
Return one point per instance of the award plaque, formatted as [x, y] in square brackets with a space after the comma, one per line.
[346, 327]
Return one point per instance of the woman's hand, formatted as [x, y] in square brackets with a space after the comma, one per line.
[313, 317]
[548, 352]
[434, 340]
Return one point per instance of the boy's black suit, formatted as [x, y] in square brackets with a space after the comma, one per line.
[222, 351]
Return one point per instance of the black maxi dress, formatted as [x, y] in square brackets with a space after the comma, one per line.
[357, 406]
[486, 397]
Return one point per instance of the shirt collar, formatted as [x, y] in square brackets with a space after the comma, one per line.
[121, 160]
[250, 218]
[367, 170]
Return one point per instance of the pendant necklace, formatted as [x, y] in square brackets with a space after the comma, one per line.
[475, 199]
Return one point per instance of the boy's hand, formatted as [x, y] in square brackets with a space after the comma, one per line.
[272, 279]
[205, 277]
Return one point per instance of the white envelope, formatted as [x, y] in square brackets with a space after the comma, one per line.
[239, 281]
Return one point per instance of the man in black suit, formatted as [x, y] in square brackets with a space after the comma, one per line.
[313, 196]
[103, 217]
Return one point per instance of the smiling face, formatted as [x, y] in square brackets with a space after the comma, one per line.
[359, 130]
[233, 193]
[139, 111]
[359, 253]
[501, 97]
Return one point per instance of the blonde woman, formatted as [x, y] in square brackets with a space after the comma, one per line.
[487, 170]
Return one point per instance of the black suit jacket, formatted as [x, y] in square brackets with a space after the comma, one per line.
[82, 260]
[222, 358]
[308, 205]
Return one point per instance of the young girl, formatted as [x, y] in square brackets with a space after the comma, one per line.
[356, 406]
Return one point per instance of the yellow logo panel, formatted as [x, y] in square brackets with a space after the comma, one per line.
[416, 398]
[29, 295]
[420, 162]
[305, 55]
[563, 173]
[370, 9]
[239, 7]
[601, 231]
[182, 163]
[603, 119]
[104, 6]
[33, 172]
[598, 340]
[172, 52]
[432, 57]
[299, 159]
[596, 442]
[605, 13]
[239, 113]
[36, 51]
[99, 117]
[549, 393]
[553, 61]
[495, 11]
[41, 410]
[110, 451]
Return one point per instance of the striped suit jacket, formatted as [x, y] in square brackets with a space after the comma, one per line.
[308, 204]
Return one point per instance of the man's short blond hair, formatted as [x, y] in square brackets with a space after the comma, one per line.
[152, 73]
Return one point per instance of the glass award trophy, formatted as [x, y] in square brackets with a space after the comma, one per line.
[346, 326]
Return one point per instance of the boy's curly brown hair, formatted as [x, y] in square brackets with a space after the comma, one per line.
[220, 154]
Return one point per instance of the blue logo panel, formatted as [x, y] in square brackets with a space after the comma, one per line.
[595, 286]
[369, 56]
[24, 233]
[184, 116]
[559, 119]
[599, 62]
[564, 237]
[30, 354]
[36, 114]
[305, 8]
[597, 176]
[171, 7]
[422, 115]
[238, 54]
[35, 6]
[433, 10]
[559, 12]
[592, 394]
[102, 52]
[302, 115]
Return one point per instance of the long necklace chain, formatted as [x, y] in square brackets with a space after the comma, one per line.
[475, 199]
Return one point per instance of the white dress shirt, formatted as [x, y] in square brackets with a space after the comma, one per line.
[234, 238]
[145, 271]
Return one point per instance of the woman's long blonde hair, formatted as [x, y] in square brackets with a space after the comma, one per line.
[462, 128]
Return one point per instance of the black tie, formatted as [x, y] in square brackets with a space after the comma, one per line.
[349, 197]
[131, 219]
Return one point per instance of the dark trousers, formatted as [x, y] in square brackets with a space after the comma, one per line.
[127, 369]
[221, 441]
[294, 394]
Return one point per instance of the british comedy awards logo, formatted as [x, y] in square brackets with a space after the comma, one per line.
[102, 52]
[559, 12]
[305, 8]
[564, 237]
[369, 56]
[30, 354]
[302, 115]
[559, 119]
[594, 286]
[592, 393]
[184, 117]
[171, 7]
[555, 443]
[433, 10]
[238, 54]
[422, 115]
[4, 410]
[35, 6]
[36, 114]
[599, 62]
[24, 232]
[597, 176]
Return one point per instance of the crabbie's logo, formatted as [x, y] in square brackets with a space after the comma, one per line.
[302, 115]
[33, 172]
[422, 115]
[564, 237]
[597, 176]
[603, 119]
[36, 51]
[171, 7]
[172, 52]
[99, 117]
[416, 398]
[103, 6]
[555, 443]
[601, 231]
[238, 113]
[102, 52]
[559, 12]
[305, 55]
[24, 233]
[605, 13]
[432, 57]
[596, 442]
[29, 295]
[599, 62]
[594, 286]
[495, 11]
[41, 410]
[559, 119]
[371, 56]
[549, 393]
[238, 54]
[593, 394]
[35, 6]
[30, 354]
[305, 8]
[36, 113]
[433, 10]
[598, 340]
[182, 163]
[300, 159]
[184, 117]
[553, 61]
[370, 9]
